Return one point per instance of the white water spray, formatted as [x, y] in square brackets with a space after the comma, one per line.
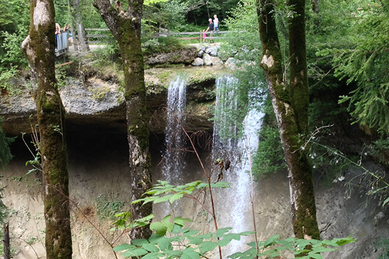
[233, 204]
[174, 163]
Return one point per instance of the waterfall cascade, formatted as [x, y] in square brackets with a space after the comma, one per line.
[233, 204]
[174, 136]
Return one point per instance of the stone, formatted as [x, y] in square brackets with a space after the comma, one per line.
[200, 54]
[207, 60]
[213, 50]
[216, 61]
[198, 62]
[230, 63]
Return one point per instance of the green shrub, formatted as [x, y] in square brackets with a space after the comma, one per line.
[161, 45]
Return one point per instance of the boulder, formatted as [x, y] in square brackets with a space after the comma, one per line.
[207, 60]
[216, 61]
[213, 50]
[198, 62]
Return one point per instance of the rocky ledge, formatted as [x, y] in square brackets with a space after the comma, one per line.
[98, 101]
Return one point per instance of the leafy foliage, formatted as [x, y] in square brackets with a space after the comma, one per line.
[363, 61]
[163, 191]
[274, 247]
[172, 240]
[269, 157]
[161, 45]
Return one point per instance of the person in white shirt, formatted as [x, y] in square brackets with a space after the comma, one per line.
[216, 22]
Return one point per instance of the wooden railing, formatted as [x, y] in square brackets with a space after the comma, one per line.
[165, 33]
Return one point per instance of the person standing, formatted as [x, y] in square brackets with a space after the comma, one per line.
[211, 29]
[216, 22]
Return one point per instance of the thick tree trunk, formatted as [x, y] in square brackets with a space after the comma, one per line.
[125, 26]
[39, 50]
[290, 104]
[81, 34]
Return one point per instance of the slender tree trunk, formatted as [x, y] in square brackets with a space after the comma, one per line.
[72, 27]
[290, 104]
[39, 50]
[81, 34]
[7, 249]
[316, 6]
[125, 26]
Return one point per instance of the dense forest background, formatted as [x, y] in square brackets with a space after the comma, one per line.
[346, 54]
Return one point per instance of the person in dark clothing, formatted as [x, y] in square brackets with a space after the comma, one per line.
[211, 29]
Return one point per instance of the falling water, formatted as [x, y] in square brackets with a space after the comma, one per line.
[233, 204]
[174, 136]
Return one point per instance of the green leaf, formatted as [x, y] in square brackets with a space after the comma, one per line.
[314, 256]
[191, 233]
[221, 231]
[164, 244]
[150, 256]
[195, 240]
[271, 241]
[176, 229]
[150, 248]
[159, 228]
[190, 253]
[123, 247]
[139, 242]
[221, 185]
[135, 252]
[181, 221]
[154, 238]
[162, 199]
[175, 197]
[207, 246]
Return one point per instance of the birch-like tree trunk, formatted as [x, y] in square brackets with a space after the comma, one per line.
[125, 25]
[38, 47]
[290, 103]
[81, 34]
[73, 27]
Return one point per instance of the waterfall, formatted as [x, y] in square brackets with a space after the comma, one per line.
[233, 204]
[174, 136]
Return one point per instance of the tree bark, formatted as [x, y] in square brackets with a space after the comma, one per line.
[125, 26]
[38, 47]
[7, 249]
[81, 34]
[316, 6]
[290, 103]
[72, 28]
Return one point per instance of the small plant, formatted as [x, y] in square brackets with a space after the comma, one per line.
[107, 209]
[383, 243]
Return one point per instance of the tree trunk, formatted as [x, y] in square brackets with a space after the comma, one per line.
[290, 104]
[125, 26]
[73, 28]
[81, 34]
[39, 50]
[316, 6]
[7, 249]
